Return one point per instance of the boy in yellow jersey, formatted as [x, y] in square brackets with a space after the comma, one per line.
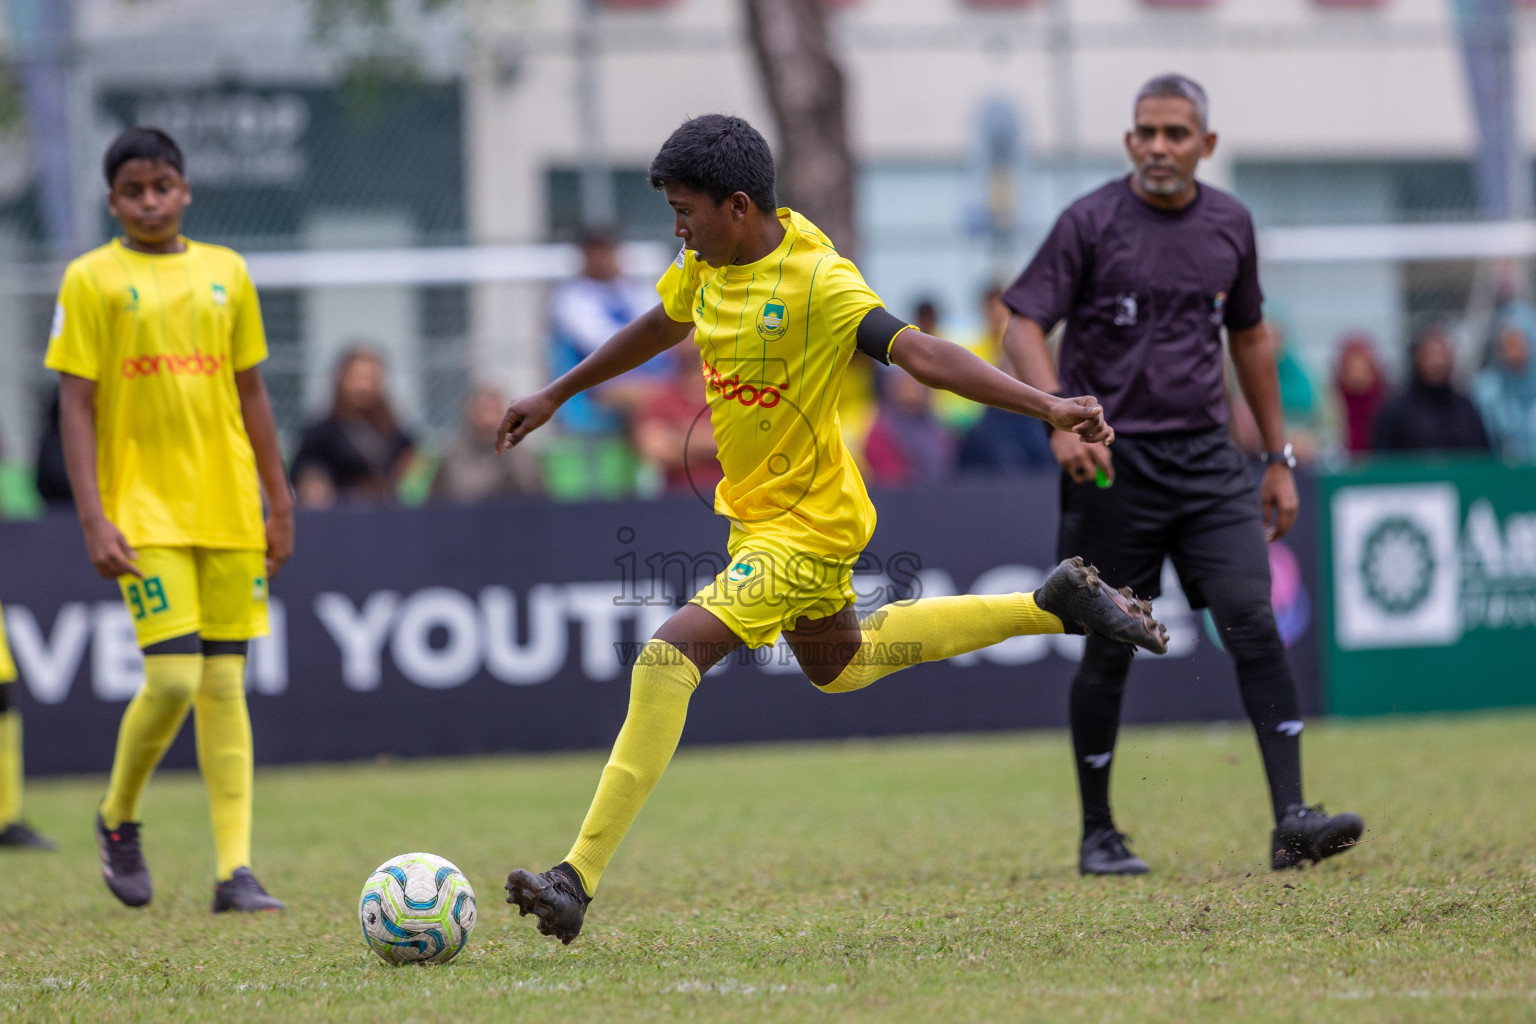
[13, 831]
[777, 315]
[169, 441]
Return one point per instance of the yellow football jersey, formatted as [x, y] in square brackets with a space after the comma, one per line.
[776, 337]
[162, 337]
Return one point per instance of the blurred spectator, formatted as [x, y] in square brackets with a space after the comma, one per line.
[1505, 389]
[1430, 415]
[925, 317]
[671, 430]
[994, 321]
[907, 445]
[1360, 386]
[470, 470]
[50, 477]
[584, 312]
[358, 451]
[961, 414]
[1006, 442]
[1302, 411]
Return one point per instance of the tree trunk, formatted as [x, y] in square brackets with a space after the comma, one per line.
[805, 89]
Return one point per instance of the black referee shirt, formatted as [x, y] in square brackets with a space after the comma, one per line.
[1145, 293]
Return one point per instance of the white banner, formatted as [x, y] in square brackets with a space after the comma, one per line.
[1397, 566]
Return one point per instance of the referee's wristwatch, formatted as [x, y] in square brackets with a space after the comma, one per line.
[1284, 457]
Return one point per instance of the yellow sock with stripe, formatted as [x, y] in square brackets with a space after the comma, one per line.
[225, 755]
[152, 720]
[904, 634]
[10, 767]
[659, 689]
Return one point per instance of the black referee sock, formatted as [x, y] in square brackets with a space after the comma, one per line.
[1246, 621]
[1095, 720]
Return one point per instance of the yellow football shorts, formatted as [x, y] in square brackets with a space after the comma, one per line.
[7, 664]
[767, 586]
[214, 593]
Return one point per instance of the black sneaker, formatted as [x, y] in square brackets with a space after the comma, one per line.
[122, 863]
[1104, 853]
[1073, 592]
[243, 893]
[19, 834]
[555, 897]
[1310, 833]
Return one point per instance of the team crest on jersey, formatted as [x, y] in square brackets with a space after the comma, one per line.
[219, 295]
[740, 572]
[771, 322]
[1218, 308]
[133, 299]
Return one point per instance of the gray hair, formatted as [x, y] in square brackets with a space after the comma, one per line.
[1172, 86]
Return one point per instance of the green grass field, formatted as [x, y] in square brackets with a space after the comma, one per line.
[903, 880]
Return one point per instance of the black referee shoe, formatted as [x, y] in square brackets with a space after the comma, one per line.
[23, 836]
[1309, 833]
[555, 897]
[1104, 853]
[122, 862]
[1073, 592]
[243, 893]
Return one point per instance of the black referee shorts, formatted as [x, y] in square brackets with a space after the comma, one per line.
[1191, 496]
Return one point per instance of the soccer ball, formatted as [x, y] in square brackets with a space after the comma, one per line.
[417, 909]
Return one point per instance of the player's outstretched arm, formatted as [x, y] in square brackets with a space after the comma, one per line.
[650, 334]
[261, 428]
[104, 542]
[943, 364]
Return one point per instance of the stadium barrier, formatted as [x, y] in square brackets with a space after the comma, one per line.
[1431, 577]
[447, 630]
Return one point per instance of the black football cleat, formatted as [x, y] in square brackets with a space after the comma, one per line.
[243, 893]
[1104, 853]
[122, 863]
[1074, 593]
[1310, 833]
[555, 897]
[21, 836]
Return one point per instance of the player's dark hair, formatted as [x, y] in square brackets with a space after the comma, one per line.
[141, 143]
[718, 155]
[1178, 87]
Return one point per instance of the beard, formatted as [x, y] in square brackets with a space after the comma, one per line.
[1162, 186]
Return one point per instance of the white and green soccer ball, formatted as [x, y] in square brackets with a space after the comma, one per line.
[417, 908]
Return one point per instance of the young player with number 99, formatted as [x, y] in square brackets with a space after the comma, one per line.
[169, 441]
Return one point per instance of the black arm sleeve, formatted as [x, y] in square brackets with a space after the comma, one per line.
[876, 332]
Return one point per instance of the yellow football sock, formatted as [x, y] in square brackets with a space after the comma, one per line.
[10, 767]
[224, 753]
[659, 689]
[153, 718]
[904, 634]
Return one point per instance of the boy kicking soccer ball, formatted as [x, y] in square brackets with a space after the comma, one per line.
[167, 428]
[777, 315]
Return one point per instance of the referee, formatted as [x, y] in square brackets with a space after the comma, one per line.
[1147, 271]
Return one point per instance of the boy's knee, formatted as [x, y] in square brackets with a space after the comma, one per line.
[178, 683]
[854, 676]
